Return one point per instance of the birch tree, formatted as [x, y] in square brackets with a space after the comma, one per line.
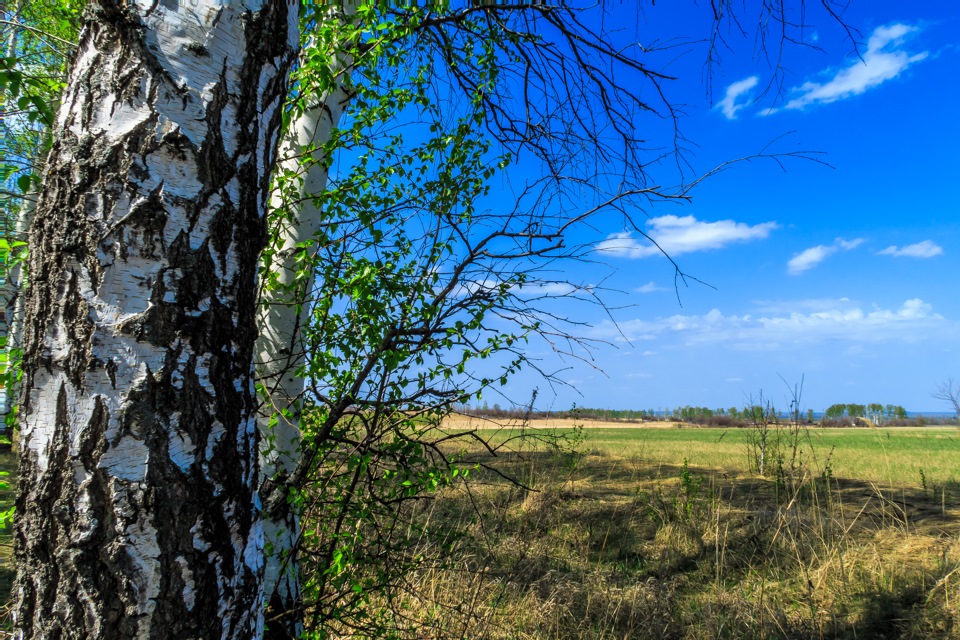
[289, 277]
[357, 337]
[36, 39]
[137, 514]
[138, 438]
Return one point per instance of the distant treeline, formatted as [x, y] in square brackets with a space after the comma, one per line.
[837, 415]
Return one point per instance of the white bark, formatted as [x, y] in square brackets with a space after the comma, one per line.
[137, 507]
[11, 287]
[280, 350]
[12, 298]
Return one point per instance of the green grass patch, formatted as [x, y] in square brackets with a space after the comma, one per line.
[905, 456]
[8, 491]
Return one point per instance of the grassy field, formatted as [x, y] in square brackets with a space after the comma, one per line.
[894, 456]
[666, 533]
[8, 464]
[625, 540]
[898, 456]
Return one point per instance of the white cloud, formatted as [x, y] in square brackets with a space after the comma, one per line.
[925, 249]
[624, 245]
[679, 235]
[535, 289]
[650, 287]
[729, 105]
[883, 60]
[809, 258]
[913, 321]
[805, 304]
[549, 289]
[846, 245]
[473, 287]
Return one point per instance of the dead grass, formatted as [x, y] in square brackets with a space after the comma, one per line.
[610, 545]
[621, 547]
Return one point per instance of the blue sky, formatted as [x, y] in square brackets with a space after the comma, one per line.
[844, 275]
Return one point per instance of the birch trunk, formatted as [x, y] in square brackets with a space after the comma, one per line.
[12, 284]
[280, 350]
[137, 510]
[12, 297]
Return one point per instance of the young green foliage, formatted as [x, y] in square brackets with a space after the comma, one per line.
[37, 39]
[400, 310]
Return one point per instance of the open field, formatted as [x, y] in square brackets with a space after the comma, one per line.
[896, 456]
[608, 546]
[624, 539]
[615, 536]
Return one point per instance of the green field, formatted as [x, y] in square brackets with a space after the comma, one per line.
[889, 457]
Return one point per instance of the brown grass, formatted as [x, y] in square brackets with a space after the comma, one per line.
[617, 544]
[609, 546]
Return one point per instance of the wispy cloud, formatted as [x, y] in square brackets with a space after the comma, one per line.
[913, 321]
[541, 289]
[650, 287]
[805, 304]
[473, 287]
[550, 289]
[846, 245]
[679, 235]
[809, 258]
[884, 60]
[925, 249]
[731, 103]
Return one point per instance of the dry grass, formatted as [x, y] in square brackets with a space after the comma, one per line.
[611, 546]
[621, 543]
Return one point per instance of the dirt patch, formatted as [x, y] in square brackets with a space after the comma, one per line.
[464, 422]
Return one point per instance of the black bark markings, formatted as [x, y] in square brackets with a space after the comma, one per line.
[72, 242]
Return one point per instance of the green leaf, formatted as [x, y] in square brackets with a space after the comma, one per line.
[24, 183]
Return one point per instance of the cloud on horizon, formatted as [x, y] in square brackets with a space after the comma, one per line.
[809, 258]
[884, 60]
[925, 249]
[913, 321]
[679, 235]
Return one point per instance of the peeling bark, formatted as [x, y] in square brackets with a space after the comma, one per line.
[137, 509]
[280, 350]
